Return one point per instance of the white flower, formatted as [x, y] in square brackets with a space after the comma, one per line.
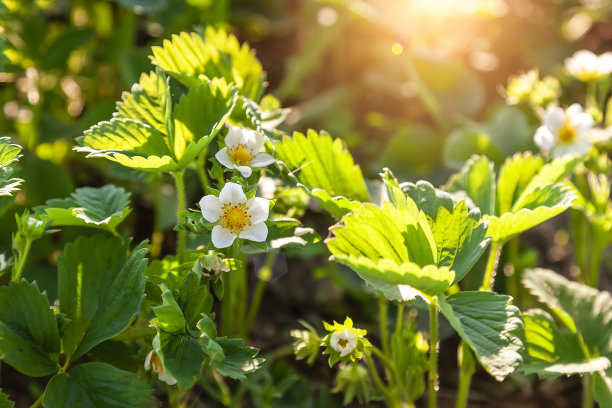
[243, 150]
[152, 360]
[237, 217]
[586, 66]
[565, 132]
[343, 341]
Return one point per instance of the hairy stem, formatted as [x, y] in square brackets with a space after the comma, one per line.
[18, 269]
[200, 166]
[433, 353]
[180, 192]
[489, 276]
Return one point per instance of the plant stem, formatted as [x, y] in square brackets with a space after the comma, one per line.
[377, 380]
[596, 255]
[433, 352]
[399, 321]
[587, 391]
[467, 367]
[591, 95]
[200, 166]
[38, 402]
[265, 273]
[489, 276]
[384, 330]
[180, 192]
[18, 270]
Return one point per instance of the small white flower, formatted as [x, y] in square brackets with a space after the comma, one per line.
[565, 132]
[152, 360]
[237, 217]
[343, 341]
[243, 150]
[586, 66]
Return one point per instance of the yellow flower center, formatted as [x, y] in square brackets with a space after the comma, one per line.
[342, 343]
[235, 217]
[567, 133]
[240, 155]
[156, 363]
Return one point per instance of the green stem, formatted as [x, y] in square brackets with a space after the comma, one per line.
[591, 96]
[265, 273]
[38, 402]
[227, 305]
[384, 328]
[241, 298]
[489, 276]
[18, 270]
[433, 353]
[464, 390]
[201, 170]
[596, 256]
[513, 279]
[587, 391]
[467, 367]
[399, 321]
[226, 394]
[377, 380]
[180, 192]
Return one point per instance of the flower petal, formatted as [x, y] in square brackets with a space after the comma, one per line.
[232, 193]
[259, 209]
[234, 136]
[245, 171]
[222, 237]
[554, 118]
[256, 232]
[544, 139]
[224, 159]
[211, 208]
[262, 160]
[259, 141]
[147, 362]
[167, 378]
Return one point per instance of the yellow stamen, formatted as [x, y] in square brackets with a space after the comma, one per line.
[567, 133]
[343, 343]
[240, 155]
[235, 217]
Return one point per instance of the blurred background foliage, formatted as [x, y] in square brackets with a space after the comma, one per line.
[414, 85]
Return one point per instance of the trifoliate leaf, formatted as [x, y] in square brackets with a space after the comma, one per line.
[489, 325]
[103, 207]
[96, 385]
[137, 138]
[239, 359]
[320, 162]
[29, 336]
[100, 290]
[551, 351]
[192, 59]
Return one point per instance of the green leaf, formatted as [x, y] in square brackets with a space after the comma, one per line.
[181, 355]
[29, 336]
[4, 399]
[477, 180]
[542, 204]
[285, 233]
[603, 388]
[96, 385]
[320, 162]
[489, 325]
[9, 153]
[103, 207]
[192, 58]
[428, 198]
[337, 206]
[169, 315]
[551, 351]
[584, 310]
[239, 359]
[100, 290]
[515, 175]
[148, 133]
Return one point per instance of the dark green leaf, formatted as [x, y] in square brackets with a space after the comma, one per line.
[181, 355]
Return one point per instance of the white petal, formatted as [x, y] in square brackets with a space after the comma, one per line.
[167, 378]
[234, 136]
[147, 362]
[544, 139]
[211, 208]
[605, 63]
[259, 209]
[554, 118]
[583, 124]
[224, 159]
[259, 141]
[232, 193]
[256, 232]
[573, 110]
[245, 171]
[222, 237]
[262, 160]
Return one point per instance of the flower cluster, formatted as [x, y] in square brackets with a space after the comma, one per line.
[565, 131]
[344, 342]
